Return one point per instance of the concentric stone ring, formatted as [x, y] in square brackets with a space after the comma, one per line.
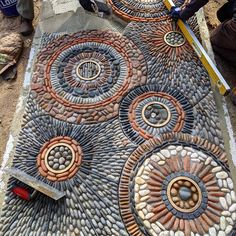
[84, 80]
[150, 110]
[177, 184]
[59, 159]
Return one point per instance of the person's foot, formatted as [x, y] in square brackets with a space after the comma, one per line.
[233, 96]
[26, 27]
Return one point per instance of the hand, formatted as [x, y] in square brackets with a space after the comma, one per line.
[175, 13]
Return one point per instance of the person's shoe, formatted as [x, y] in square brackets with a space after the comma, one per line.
[26, 27]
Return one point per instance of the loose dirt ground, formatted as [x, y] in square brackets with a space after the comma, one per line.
[10, 90]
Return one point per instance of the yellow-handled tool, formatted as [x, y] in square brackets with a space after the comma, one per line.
[213, 72]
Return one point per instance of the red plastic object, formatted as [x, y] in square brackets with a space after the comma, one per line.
[21, 192]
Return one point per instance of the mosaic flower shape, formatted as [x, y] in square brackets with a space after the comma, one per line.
[179, 184]
[147, 111]
[84, 79]
[142, 10]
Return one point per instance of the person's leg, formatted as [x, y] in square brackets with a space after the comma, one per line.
[225, 12]
[26, 10]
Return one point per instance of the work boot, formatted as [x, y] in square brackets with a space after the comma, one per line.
[26, 27]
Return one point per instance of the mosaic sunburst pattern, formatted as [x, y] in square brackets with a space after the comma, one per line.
[84, 80]
[182, 67]
[177, 184]
[142, 10]
[150, 110]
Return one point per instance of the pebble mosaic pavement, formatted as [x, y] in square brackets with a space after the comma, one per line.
[127, 127]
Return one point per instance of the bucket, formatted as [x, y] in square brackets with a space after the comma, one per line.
[8, 7]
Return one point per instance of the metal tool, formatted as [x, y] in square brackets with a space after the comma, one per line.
[34, 183]
[213, 72]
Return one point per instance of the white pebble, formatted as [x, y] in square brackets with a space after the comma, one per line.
[165, 153]
[220, 183]
[140, 213]
[179, 148]
[233, 196]
[228, 229]
[139, 180]
[144, 192]
[154, 157]
[141, 205]
[213, 163]
[156, 228]
[147, 224]
[225, 183]
[221, 175]
[149, 215]
[212, 231]
[226, 213]
[165, 233]
[173, 152]
[221, 233]
[208, 161]
[234, 216]
[216, 169]
[161, 163]
[183, 153]
[179, 233]
[140, 172]
[230, 183]
[222, 222]
[228, 199]
[233, 208]
[143, 186]
[223, 203]
[160, 225]
[194, 155]
[172, 147]
[230, 221]
[153, 233]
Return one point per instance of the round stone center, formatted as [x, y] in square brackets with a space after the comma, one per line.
[59, 158]
[156, 114]
[174, 38]
[184, 194]
[88, 70]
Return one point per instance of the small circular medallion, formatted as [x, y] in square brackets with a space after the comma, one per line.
[156, 114]
[88, 70]
[59, 158]
[174, 38]
[184, 194]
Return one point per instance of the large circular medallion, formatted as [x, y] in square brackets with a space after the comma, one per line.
[150, 110]
[84, 80]
[177, 184]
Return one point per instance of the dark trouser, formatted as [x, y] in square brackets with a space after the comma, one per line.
[225, 12]
[26, 9]
[223, 40]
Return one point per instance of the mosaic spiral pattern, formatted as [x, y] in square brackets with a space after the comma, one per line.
[142, 10]
[139, 124]
[59, 158]
[85, 79]
[177, 184]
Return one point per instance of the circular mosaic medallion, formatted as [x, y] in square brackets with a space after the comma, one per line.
[150, 110]
[174, 38]
[177, 184]
[59, 159]
[142, 10]
[84, 79]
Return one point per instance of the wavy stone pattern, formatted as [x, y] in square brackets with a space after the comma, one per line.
[100, 125]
